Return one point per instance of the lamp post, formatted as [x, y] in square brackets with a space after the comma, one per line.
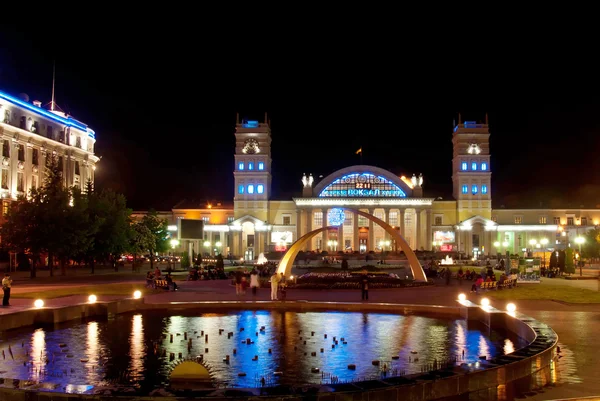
[532, 242]
[544, 242]
[218, 245]
[174, 244]
[579, 241]
[207, 245]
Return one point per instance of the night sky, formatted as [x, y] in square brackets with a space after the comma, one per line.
[164, 118]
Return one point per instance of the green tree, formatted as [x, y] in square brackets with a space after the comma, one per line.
[140, 240]
[185, 261]
[18, 228]
[158, 228]
[569, 263]
[591, 246]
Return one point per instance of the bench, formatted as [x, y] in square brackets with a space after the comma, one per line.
[489, 285]
[162, 284]
[510, 283]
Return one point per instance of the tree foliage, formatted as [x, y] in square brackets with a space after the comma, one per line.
[569, 261]
[591, 246]
[158, 229]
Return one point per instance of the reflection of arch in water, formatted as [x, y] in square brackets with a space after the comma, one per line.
[191, 375]
[285, 265]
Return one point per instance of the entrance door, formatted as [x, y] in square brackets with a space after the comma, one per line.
[249, 254]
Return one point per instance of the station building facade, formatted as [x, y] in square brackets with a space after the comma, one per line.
[255, 223]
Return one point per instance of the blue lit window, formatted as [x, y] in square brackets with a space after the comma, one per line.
[484, 189]
[261, 165]
[483, 166]
[250, 189]
[240, 165]
[260, 188]
[473, 166]
[250, 166]
[465, 189]
[473, 189]
[463, 166]
[240, 189]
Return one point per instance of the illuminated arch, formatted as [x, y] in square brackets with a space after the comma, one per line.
[286, 263]
[190, 374]
[342, 183]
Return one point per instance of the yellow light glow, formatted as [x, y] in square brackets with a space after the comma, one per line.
[511, 307]
[38, 303]
[174, 243]
[218, 244]
[407, 182]
[462, 297]
[206, 243]
[137, 294]
[485, 302]
[209, 206]
[92, 299]
[497, 244]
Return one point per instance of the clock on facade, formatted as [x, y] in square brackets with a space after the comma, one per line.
[474, 149]
[250, 146]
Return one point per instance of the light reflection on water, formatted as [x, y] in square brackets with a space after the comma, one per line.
[136, 349]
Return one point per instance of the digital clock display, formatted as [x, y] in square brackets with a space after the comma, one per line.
[363, 185]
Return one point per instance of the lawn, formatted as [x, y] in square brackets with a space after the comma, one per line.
[124, 289]
[547, 291]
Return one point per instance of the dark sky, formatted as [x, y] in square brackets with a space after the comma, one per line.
[163, 108]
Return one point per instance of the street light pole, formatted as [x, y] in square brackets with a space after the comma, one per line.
[579, 241]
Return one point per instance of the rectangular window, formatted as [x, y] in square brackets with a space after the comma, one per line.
[49, 133]
[569, 221]
[495, 219]
[34, 157]
[240, 165]
[21, 153]
[230, 219]
[5, 178]
[317, 219]
[473, 189]
[287, 220]
[251, 188]
[347, 219]
[260, 188]
[465, 189]
[542, 220]
[33, 182]
[6, 148]
[584, 221]
[5, 208]
[261, 165]
[438, 221]
[484, 189]
[250, 238]
[61, 137]
[250, 166]
[483, 166]
[205, 219]
[78, 142]
[20, 186]
[473, 166]
[60, 163]
[557, 220]
[76, 168]
[362, 221]
[463, 166]
[393, 219]
[240, 189]
[518, 219]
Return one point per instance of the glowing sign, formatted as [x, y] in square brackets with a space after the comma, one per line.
[250, 124]
[336, 217]
[446, 248]
[444, 236]
[362, 185]
[282, 237]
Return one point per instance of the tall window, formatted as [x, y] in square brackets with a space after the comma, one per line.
[484, 189]
[205, 219]
[34, 157]
[240, 189]
[287, 220]
[557, 220]
[393, 218]
[542, 219]
[362, 221]
[250, 165]
[5, 148]
[261, 165]
[569, 221]
[230, 219]
[473, 166]
[260, 188]
[518, 219]
[251, 188]
[317, 219]
[484, 166]
[60, 163]
[21, 153]
[347, 219]
[20, 186]
[473, 189]
[240, 165]
[49, 132]
[584, 221]
[465, 189]
[33, 182]
[463, 166]
[438, 221]
[5, 178]
[78, 142]
[76, 168]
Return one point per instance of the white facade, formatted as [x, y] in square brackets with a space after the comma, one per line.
[29, 134]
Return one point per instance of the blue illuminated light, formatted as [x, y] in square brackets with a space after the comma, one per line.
[260, 188]
[465, 189]
[484, 189]
[240, 189]
[483, 166]
[372, 187]
[474, 189]
[250, 124]
[336, 217]
[240, 165]
[68, 121]
[250, 189]
[261, 165]
[463, 166]
[250, 166]
[473, 166]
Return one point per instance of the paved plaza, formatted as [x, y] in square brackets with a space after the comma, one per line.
[576, 324]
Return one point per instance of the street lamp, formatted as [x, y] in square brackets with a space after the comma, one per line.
[544, 242]
[332, 244]
[218, 244]
[532, 242]
[579, 241]
[174, 244]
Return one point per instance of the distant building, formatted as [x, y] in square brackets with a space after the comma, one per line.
[29, 134]
[256, 223]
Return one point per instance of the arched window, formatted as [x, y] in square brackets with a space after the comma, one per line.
[251, 188]
[260, 188]
[361, 185]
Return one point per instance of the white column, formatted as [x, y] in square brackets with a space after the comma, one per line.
[402, 229]
[355, 239]
[371, 245]
[428, 230]
[418, 242]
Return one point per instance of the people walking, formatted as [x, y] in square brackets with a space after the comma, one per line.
[6, 285]
[254, 284]
[274, 286]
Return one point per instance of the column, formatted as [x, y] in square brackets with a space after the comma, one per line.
[428, 230]
[371, 245]
[355, 244]
[309, 221]
[418, 242]
[299, 221]
[340, 236]
[325, 233]
[240, 247]
[402, 230]
[386, 235]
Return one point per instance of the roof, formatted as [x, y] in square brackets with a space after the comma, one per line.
[202, 204]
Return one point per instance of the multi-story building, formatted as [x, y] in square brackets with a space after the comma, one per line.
[29, 134]
[467, 224]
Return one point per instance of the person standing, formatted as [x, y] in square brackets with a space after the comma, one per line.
[274, 285]
[6, 285]
[238, 281]
[364, 285]
[254, 281]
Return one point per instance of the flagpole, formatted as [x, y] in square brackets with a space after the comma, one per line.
[361, 152]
